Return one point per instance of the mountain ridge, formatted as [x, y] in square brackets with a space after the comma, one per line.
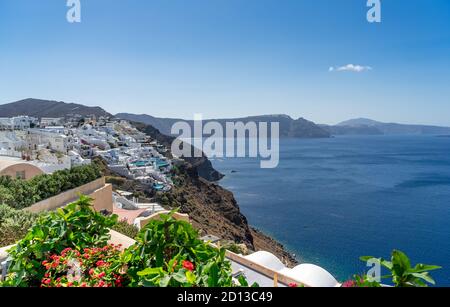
[289, 127]
[366, 126]
[48, 108]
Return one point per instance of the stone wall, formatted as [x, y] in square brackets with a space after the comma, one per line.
[97, 189]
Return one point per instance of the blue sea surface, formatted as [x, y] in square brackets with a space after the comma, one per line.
[331, 201]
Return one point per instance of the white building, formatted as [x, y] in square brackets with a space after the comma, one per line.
[17, 123]
[38, 138]
[51, 121]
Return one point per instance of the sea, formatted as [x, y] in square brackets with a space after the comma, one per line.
[331, 201]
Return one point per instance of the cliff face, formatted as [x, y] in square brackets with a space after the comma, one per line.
[213, 209]
[202, 165]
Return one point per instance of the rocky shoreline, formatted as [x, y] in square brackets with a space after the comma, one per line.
[213, 209]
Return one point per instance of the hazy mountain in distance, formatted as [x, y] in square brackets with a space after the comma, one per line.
[289, 127]
[47, 108]
[360, 126]
[358, 122]
[351, 130]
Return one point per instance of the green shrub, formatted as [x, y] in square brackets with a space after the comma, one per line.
[5, 195]
[126, 229]
[401, 271]
[169, 253]
[14, 224]
[234, 247]
[75, 226]
[20, 194]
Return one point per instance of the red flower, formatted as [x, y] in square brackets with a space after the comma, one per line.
[100, 263]
[101, 275]
[83, 285]
[65, 251]
[46, 281]
[188, 265]
[349, 284]
[69, 284]
[91, 272]
[293, 285]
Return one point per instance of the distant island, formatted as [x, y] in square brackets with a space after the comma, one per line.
[365, 126]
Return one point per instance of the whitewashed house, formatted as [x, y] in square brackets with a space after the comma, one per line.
[38, 138]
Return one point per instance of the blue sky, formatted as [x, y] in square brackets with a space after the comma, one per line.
[230, 58]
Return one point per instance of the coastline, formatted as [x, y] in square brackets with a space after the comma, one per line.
[264, 242]
[213, 208]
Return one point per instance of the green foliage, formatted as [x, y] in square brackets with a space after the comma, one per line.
[76, 226]
[124, 228]
[402, 273]
[116, 181]
[169, 253]
[20, 194]
[6, 197]
[14, 224]
[234, 247]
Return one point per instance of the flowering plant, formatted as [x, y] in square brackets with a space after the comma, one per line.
[94, 267]
[76, 226]
[169, 253]
[360, 281]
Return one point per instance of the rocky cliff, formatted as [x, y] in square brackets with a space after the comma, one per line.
[213, 209]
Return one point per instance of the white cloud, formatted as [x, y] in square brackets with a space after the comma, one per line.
[350, 68]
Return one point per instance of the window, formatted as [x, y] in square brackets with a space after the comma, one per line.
[20, 175]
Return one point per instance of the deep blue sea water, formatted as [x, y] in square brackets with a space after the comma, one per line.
[333, 200]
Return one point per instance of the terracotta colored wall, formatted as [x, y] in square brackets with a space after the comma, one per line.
[97, 189]
[30, 170]
[103, 199]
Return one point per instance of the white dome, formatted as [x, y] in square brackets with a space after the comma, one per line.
[311, 275]
[266, 259]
